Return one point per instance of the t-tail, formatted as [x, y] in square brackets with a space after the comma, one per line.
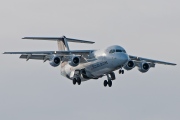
[61, 41]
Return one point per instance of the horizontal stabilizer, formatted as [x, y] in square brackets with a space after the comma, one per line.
[59, 39]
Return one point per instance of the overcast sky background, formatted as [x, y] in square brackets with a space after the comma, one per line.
[34, 90]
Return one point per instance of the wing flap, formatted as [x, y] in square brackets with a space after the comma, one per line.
[35, 57]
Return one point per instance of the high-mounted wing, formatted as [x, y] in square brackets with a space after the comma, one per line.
[53, 52]
[138, 59]
[45, 55]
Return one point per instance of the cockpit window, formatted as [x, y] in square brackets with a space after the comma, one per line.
[118, 50]
[112, 51]
[124, 51]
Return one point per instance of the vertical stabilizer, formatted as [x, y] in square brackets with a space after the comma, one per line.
[62, 44]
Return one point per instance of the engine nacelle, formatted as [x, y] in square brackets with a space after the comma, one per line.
[55, 61]
[143, 67]
[74, 61]
[130, 65]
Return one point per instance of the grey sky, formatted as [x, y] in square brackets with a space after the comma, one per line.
[33, 90]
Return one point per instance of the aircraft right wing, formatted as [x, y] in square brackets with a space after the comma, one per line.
[46, 55]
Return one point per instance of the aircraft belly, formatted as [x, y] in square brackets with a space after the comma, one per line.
[101, 71]
[104, 67]
[67, 69]
[95, 69]
[98, 68]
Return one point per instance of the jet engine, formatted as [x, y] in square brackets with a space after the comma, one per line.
[55, 61]
[143, 67]
[130, 65]
[74, 61]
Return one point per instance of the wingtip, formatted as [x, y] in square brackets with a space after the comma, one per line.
[27, 38]
[174, 64]
[24, 37]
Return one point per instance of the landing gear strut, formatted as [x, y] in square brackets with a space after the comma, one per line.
[109, 81]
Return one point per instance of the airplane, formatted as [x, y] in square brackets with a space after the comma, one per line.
[84, 65]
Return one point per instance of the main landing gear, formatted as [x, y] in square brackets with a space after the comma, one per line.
[111, 78]
[77, 80]
[109, 81]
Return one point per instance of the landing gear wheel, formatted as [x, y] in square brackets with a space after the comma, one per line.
[122, 71]
[79, 81]
[74, 81]
[109, 83]
[105, 83]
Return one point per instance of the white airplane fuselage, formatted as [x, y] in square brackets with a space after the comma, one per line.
[103, 62]
[83, 65]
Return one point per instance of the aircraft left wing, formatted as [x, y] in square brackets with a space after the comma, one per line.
[45, 55]
[138, 59]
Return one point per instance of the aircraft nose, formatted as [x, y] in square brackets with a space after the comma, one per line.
[124, 58]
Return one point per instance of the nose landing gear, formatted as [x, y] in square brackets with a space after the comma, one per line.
[121, 71]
